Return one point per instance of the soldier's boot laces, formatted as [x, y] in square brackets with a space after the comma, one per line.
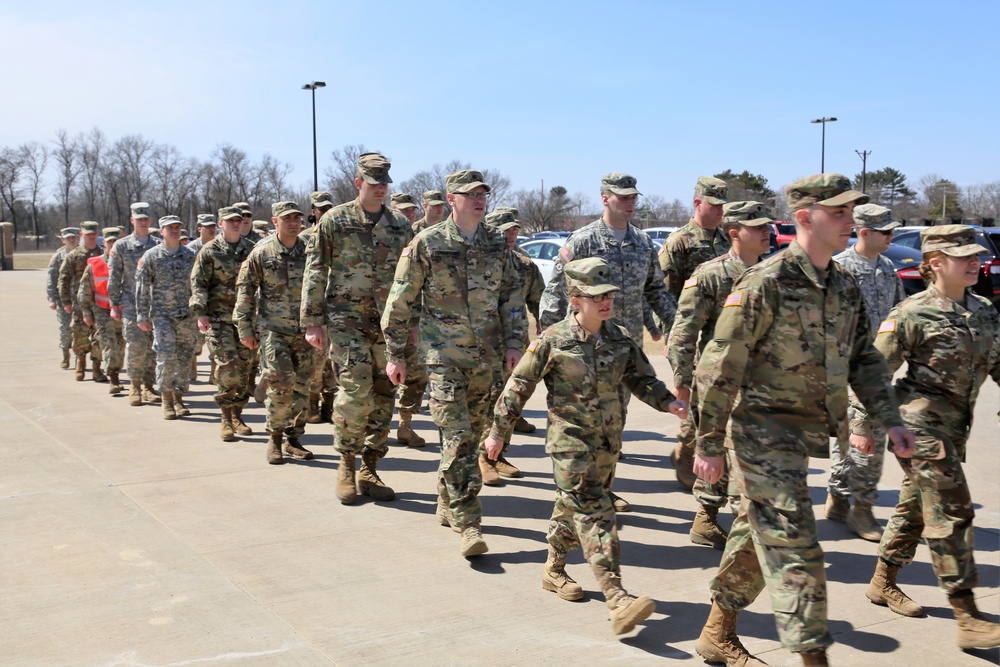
[81, 367]
[238, 424]
[149, 394]
[135, 393]
[683, 460]
[488, 469]
[815, 659]
[443, 514]
[837, 508]
[180, 409]
[718, 641]
[369, 483]
[505, 468]
[706, 530]
[346, 489]
[522, 425]
[96, 373]
[974, 631]
[882, 590]
[555, 579]
[861, 520]
[326, 407]
[473, 543]
[168, 405]
[296, 450]
[194, 369]
[312, 415]
[274, 449]
[619, 503]
[65, 360]
[405, 433]
[226, 428]
[116, 383]
[626, 611]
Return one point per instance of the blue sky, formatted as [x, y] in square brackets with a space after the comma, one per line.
[558, 91]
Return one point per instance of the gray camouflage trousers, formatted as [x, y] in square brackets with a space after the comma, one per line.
[174, 339]
[288, 361]
[109, 335]
[853, 474]
[140, 360]
[65, 333]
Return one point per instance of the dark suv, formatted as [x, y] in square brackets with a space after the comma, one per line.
[989, 275]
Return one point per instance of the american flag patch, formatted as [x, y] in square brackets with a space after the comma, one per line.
[566, 254]
[691, 282]
[533, 346]
[734, 299]
[406, 252]
[888, 326]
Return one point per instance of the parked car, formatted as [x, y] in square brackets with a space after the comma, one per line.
[543, 253]
[784, 233]
[989, 276]
[906, 261]
[550, 235]
[660, 233]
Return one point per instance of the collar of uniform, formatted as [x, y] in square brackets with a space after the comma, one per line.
[796, 252]
[455, 234]
[363, 215]
[630, 236]
[579, 332]
[946, 304]
[731, 256]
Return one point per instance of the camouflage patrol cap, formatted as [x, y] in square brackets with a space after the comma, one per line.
[403, 200]
[184, 236]
[261, 225]
[619, 184]
[206, 220]
[67, 232]
[230, 212]
[169, 220]
[588, 276]
[711, 189]
[509, 225]
[464, 181]
[952, 240]
[244, 207]
[823, 189]
[433, 198]
[374, 168]
[746, 213]
[873, 216]
[89, 227]
[140, 209]
[500, 217]
[282, 208]
[321, 199]
[111, 232]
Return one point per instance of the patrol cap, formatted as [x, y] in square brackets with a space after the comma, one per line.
[169, 220]
[67, 232]
[589, 276]
[747, 213]
[230, 212]
[873, 216]
[823, 189]
[374, 168]
[509, 225]
[89, 227]
[184, 236]
[403, 200]
[463, 181]
[952, 240]
[713, 190]
[244, 207]
[261, 225]
[433, 198]
[140, 209]
[507, 209]
[500, 217]
[282, 208]
[619, 184]
[206, 220]
[111, 232]
[321, 199]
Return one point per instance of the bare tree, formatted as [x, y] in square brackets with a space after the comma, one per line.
[172, 179]
[67, 158]
[539, 211]
[92, 150]
[35, 158]
[981, 200]
[655, 211]
[339, 176]
[11, 167]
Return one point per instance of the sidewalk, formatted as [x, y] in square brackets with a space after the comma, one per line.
[129, 540]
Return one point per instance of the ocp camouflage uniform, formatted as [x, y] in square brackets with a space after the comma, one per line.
[351, 261]
[52, 292]
[122, 267]
[107, 330]
[471, 313]
[163, 293]
[686, 249]
[324, 378]
[70, 274]
[269, 292]
[213, 295]
[773, 385]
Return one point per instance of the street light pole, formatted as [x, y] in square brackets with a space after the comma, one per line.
[312, 87]
[822, 155]
[864, 164]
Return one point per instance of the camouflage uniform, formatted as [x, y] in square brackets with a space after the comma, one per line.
[163, 293]
[472, 312]
[52, 293]
[692, 244]
[269, 289]
[324, 378]
[195, 247]
[70, 274]
[125, 256]
[107, 330]
[213, 295]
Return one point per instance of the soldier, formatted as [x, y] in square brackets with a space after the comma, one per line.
[472, 315]
[262, 227]
[125, 256]
[632, 258]
[206, 232]
[950, 339]
[773, 384]
[323, 384]
[92, 297]
[433, 211]
[269, 289]
[351, 260]
[213, 297]
[695, 243]
[70, 238]
[584, 360]
[162, 296]
[247, 230]
[70, 273]
[403, 202]
[853, 474]
[745, 223]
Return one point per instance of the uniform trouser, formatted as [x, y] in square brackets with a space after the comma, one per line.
[934, 502]
[459, 403]
[84, 337]
[853, 474]
[65, 333]
[776, 516]
[716, 495]
[288, 360]
[232, 365]
[140, 361]
[411, 394]
[362, 411]
[173, 341]
[500, 375]
[584, 514]
[323, 379]
[109, 336]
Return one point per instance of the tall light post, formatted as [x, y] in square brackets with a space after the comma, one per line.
[313, 86]
[822, 155]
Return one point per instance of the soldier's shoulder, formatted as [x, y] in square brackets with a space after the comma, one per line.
[617, 331]
[398, 220]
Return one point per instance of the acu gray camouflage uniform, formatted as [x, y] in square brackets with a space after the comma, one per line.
[52, 292]
[125, 256]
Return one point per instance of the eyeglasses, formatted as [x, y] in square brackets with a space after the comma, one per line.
[248, 215]
[475, 196]
[600, 298]
[886, 232]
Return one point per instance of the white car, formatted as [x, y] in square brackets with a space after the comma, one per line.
[660, 233]
[543, 253]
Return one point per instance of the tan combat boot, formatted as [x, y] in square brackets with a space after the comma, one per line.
[718, 641]
[369, 482]
[135, 393]
[295, 450]
[238, 424]
[168, 405]
[861, 520]
[274, 449]
[683, 460]
[706, 530]
[443, 514]
[96, 373]
[65, 362]
[149, 395]
[81, 367]
[326, 407]
[555, 579]
[346, 489]
[626, 611]
[974, 631]
[211, 372]
[882, 590]
[505, 468]
[837, 508]
[180, 409]
[523, 426]
[488, 469]
[405, 433]
[473, 543]
[815, 659]
[194, 369]
[312, 412]
[226, 430]
[116, 383]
